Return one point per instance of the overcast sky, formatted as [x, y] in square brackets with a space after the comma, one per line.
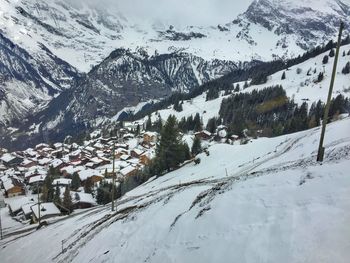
[177, 12]
[187, 12]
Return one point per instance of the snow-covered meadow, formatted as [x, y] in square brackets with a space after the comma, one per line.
[267, 201]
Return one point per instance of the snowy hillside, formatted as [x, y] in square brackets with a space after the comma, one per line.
[267, 201]
[300, 84]
[83, 35]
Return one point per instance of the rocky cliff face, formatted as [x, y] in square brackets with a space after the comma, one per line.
[28, 84]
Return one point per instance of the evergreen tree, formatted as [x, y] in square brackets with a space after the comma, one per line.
[48, 190]
[88, 185]
[57, 196]
[75, 181]
[186, 151]
[237, 88]
[346, 69]
[169, 150]
[283, 75]
[211, 125]
[149, 124]
[67, 200]
[182, 125]
[245, 85]
[197, 126]
[189, 123]
[320, 77]
[158, 125]
[212, 94]
[197, 146]
[178, 106]
[138, 129]
[331, 53]
[325, 59]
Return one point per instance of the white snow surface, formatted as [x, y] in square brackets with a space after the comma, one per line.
[267, 201]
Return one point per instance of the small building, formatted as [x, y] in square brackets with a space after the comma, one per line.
[95, 175]
[27, 211]
[128, 171]
[41, 146]
[83, 200]
[203, 135]
[15, 204]
[57, 164]
[136, 153]
[11, 160]
[75, 156]
[47, 210]
[38, 179]
[150, 137]
[13, 186]
[61, 182]
[27, 163]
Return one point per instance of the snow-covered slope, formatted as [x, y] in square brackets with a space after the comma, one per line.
[300, 84]
[84, 35]
[268, 201]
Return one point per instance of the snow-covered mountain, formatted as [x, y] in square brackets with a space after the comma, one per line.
[84, 35]
[267, 201]
[28, 83]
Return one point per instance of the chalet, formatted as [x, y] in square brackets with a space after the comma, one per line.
[128, 171]
[95, 175]
[204, 135]
[146, 158]
[47, 210]
[74, 156]
[41, 146]
[27, 163]
[30, 153]
[136, 153]
[119, 152]
[62, 182]
[11, 160]
[15, 204]
[125, 157]
[83, 200]
[57, 164]
[71, 169]
[34, 172]
[13, 186]
[38, 179]
[27, 210]
[90, 149]
[44, 161]
[150, 137]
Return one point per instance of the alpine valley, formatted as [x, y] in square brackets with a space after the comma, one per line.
[65, 67]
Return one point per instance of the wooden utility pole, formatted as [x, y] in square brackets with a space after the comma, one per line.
[321, 149]
[38, 203]
[113, 177]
